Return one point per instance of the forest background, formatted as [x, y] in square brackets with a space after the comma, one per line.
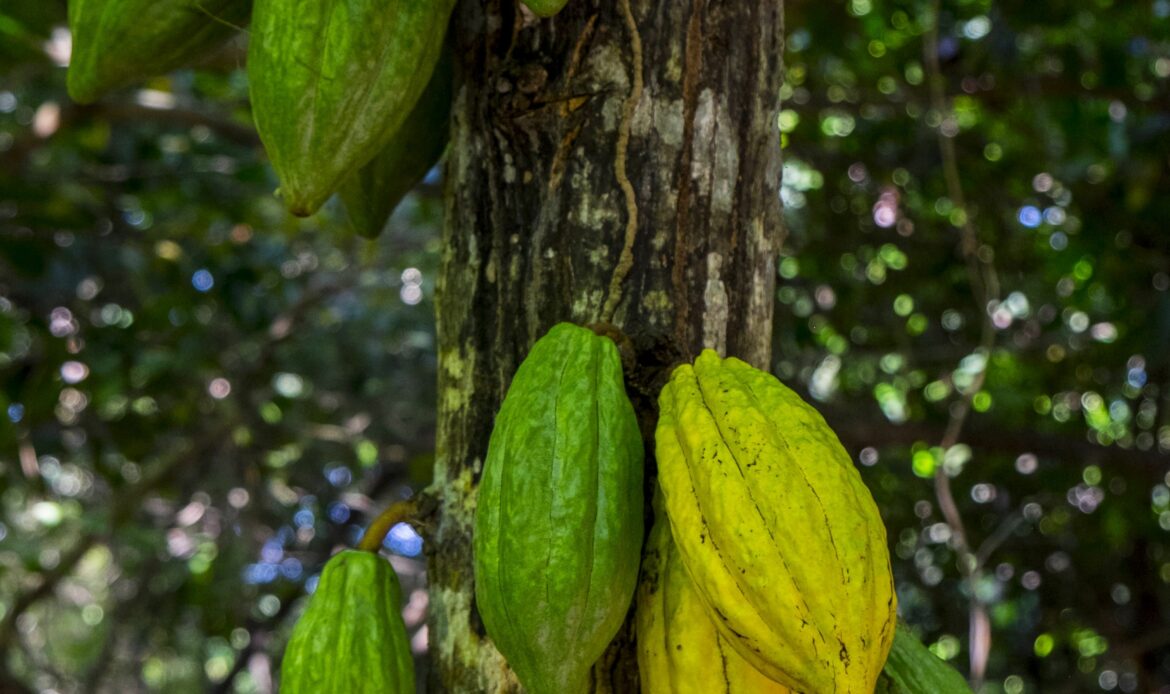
[202, 397]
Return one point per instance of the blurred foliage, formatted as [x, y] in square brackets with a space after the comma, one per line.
[201, 398]
[1059, 118]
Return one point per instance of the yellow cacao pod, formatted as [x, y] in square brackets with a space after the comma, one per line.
[679, 649]
[779, 535]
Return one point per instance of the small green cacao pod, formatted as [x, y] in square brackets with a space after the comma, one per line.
[545, 8]
[332, 80]
[373, 191]
[679, 649]
[777, 531]
[351, 637]
[558, 525]
[913, 669]
[119, 42]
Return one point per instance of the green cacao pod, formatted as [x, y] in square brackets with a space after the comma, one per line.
[371, 194]
[119, 42]
[913, 669]
[545, 8]
[779, 535]
[332, 80]
[558, 525]
[351, 637]
[679, 649]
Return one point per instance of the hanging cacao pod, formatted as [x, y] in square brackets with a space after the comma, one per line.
[679, 649]
[545, 8]
[119, 42]
[558, 525]
[779, 535]
[913, 669]
[332, 80]
[373, 191]
[351, 637]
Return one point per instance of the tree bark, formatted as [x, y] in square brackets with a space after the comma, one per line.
[620, 163]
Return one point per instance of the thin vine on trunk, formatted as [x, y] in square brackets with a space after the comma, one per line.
[619, 162]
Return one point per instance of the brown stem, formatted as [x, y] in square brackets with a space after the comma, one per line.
[985, 288]
[400, 512]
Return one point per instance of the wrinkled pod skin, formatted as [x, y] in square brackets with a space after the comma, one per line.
[332, 80]
[351, 638]
[779, 535]
[558, 526]
[119, 42]
[372, 192]
[679, 649]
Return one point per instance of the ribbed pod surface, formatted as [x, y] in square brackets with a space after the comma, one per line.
[558, 526]
[372, 192]
[332, 80]
[679, 649]
[776, 529]
[119, 42]
[913, 669]
[351, 638]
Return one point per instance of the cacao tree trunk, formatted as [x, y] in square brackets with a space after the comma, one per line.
[619, 163]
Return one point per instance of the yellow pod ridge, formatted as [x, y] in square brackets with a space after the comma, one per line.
[679, 649]
[779, 535]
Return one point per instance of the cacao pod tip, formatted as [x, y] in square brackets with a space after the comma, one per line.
[545, 8]
[78, 91]
[298, 205]
[708, 354]
[300, 208]
[367, 232]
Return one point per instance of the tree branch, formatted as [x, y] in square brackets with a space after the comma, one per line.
[49, 581]
[124, 506]
[985, 289]
[129, 112]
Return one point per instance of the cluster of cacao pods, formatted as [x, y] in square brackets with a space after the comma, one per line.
[767, 549]
[349, 96]
[767, 557]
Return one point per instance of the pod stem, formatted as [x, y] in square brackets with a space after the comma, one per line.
[399, 512]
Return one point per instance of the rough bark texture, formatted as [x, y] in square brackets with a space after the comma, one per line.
[620, 163]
